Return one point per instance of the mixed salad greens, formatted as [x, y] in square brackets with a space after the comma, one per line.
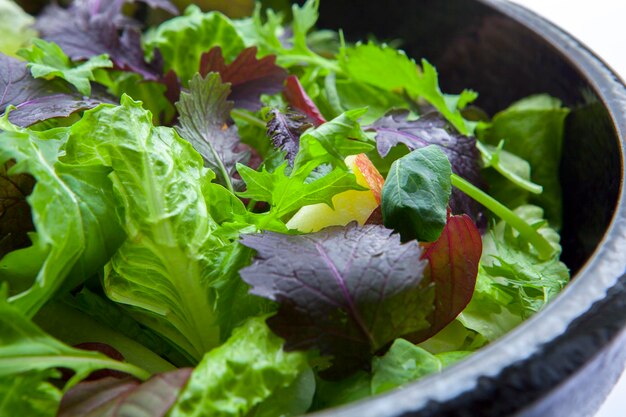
[203, 215]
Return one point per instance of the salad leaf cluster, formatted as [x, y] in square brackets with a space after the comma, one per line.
[202, 215]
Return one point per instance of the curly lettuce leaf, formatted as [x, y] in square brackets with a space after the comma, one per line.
[514, 282]
[533, 129]
[392, 70]
[63, 253]
[345, 291]
[204, 111]
[16, 28]
[248, 76]
[182, 40]
[46, 60]
[162, 272]
[240, 375]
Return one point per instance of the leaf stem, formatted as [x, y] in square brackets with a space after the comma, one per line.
[248, 118]
[494, 161]
[546, 251]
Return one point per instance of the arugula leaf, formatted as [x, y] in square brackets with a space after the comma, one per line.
[345, 291]
[533, 129]
[416, 193]
[182, 40]
[35, 99]
[298, 98]
[111, 396]
[15, 26]
[248, 76]
[391, 70]
[240, 374]
[161, 271]
[204, 112]
[287, 193]
[452, 265]
[431, 129]
[91, 28]
[47, 60]
[28, 394]
[65, 253]
[285, 130]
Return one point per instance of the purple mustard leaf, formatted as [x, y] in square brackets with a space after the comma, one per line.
[433, 129]
[347, 291]
[285, 130]
[37, 100]
[93, 27]
[249, 77]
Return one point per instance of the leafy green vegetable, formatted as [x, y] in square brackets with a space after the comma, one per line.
[392, 70]
[183, 39]
[285, 129]
[63, 254]
[416, 193]
[204, 112]
[240, 374]
[158, 180]
[28, 394]
[15, 26]
[47, 60]
[334, 298]
[533, 129]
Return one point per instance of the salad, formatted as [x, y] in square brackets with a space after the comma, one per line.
[205, 214]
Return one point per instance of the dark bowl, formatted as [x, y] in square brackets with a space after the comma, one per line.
[564, 360]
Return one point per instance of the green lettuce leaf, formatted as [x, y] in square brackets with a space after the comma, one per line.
[28, 357]
[47, 60]
[161, 271]
[63, 253]
[28, 394]
[15, 26]
[392, 70]
[183, 39]
[513, 281]
[241, 374]
[533, 129]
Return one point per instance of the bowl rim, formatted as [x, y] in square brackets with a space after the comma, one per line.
[602, 270]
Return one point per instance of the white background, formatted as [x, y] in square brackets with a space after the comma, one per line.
[601, 25]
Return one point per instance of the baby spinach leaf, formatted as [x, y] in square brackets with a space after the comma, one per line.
[416, 194]
[248, 76]
[204, 111]
[182, 40]
[345, 291]
[392, 70]
[240, 374]
[432, 129]
[47, 60]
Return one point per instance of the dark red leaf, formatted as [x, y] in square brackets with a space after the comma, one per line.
[15, 215]
[285, 130]
[298, 98]
[113, 397]
[348, 292]
[249, 77]
[452, 265]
